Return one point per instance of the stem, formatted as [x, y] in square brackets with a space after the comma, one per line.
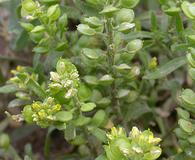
[111, 51]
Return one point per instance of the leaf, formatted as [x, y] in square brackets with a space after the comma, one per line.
[179, 24]
[63, 116]
[86, 107]
[17, 103]
[70, 132]
[99, 133]
[166, 69]
[136, 110]
[10, 88]
[36, 88]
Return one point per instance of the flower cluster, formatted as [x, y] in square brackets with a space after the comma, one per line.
[137, 146]
[20, 75]
[43, 114]
[65, 79]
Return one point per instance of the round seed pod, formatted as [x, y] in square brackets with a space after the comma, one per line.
[29, 5]
[125, 15]
[134, 45]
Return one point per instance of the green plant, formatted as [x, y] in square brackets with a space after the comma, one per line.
[102, 63]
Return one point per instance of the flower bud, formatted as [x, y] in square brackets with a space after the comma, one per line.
[54, 76]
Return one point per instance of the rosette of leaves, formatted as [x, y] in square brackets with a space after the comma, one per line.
[136, 146]
[65, 81]
[45, 24]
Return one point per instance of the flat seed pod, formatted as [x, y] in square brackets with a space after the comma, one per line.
[90, 53]
[106, 79]
[126, 27]
[188, 9]
[134, 45]
[93, 22]
[29, 5]
[109, 11]
[86, 30]
[92, 80]
[186, 126]
[188, 96]
[124, 15]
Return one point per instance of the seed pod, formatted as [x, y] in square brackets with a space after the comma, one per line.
[53, 12]
[93, 22]
[134, 45]
[129, 3]
[109, 11]
[125, 15]
[188, 9]
[29, 5]
[4, 141]
[106, 80]
[126, 27]
[188, 100]
[27, 114]
[86, 30]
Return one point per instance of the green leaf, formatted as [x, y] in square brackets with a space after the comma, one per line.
[36, 88]
[63, 116]
[86, 107]
[38, 29]
[70, 132]
[10, 88]
[17, 103]
[166, 69]
[99, 133]
[99, 119]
